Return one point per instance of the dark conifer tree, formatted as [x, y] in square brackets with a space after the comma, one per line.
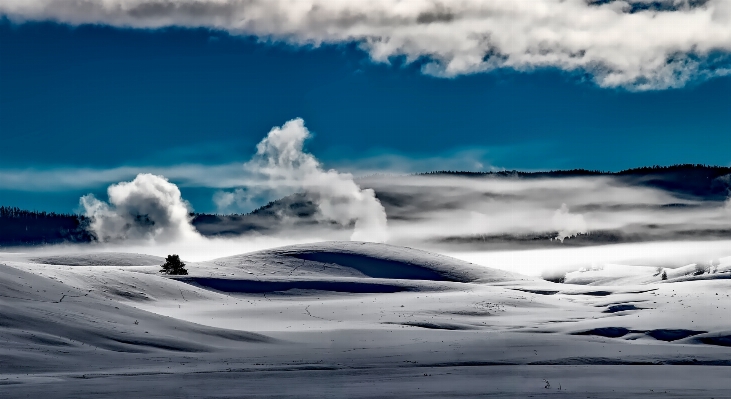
[173, 266]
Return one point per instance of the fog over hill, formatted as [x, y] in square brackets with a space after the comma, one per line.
[578, 207]
[490, 210]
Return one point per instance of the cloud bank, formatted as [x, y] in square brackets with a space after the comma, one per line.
[228, 175]
[493, 212]
[69, 178]
[636, 44]
[281, 167]
[149, 208]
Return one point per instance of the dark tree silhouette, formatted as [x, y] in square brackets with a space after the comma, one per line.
[173, 266]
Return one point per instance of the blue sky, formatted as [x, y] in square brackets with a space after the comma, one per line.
[98, 97]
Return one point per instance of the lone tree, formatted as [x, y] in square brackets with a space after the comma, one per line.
[173, 266]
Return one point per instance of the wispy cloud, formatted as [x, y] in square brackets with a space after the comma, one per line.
[637, 44]
[473, 159]
[234, 175]
[67, 178]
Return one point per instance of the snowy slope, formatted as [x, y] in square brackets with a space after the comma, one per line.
[101, 259]
[342, 319]
[614, 274]
[360, 259]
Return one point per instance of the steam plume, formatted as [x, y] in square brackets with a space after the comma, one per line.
[147, 208]
[281, 166]
[568, 224]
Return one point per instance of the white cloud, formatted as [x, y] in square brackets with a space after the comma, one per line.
[622, 44]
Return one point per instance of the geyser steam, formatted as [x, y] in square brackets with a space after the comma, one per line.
[150, 208]
[281, 167]
[568, 224]
[147, 208]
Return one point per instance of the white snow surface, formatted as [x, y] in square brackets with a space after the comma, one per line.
[101, 259]
[350, 319]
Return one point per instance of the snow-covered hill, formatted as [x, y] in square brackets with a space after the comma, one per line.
[349, 319]
[358, 259]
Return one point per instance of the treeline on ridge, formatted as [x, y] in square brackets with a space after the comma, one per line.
[695, 180]
[23, 227]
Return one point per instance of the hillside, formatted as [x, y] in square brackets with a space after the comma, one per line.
[371, 319]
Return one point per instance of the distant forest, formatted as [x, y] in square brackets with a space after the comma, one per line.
[22, 227]
[693, 180]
